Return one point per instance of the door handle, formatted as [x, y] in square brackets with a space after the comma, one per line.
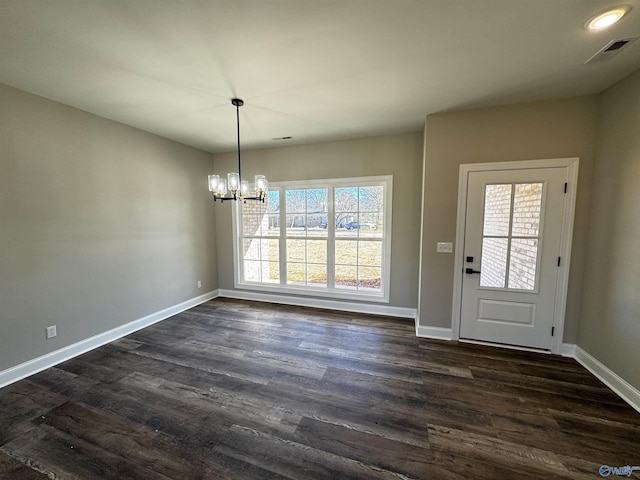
[471, 270]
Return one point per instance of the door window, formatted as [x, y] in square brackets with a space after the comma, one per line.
[511, 235]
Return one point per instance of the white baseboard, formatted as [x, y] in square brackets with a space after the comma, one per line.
[36, 365]
[626, 391]
[373, 309]
[438, 333]
[568, 350]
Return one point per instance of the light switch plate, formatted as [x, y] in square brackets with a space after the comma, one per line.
[444, 247]
[52, 331]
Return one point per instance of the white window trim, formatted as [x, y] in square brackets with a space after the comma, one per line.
[335, 293]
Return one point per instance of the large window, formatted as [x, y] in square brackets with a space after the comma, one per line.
[326, 237]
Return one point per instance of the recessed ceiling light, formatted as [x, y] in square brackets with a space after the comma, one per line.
[608, 18]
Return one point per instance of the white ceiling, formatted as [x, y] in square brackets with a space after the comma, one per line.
[312, 69]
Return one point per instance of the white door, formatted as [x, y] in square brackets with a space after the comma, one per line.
[513, 230]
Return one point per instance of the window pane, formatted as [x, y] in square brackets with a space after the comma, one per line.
[347, 224]
[494, 262]
[251, 271]
[346, 210]
[270, 272]
[317, 199]
[527, 202]
[250, 223]
[523, 263]
[296, 273]
[371, 224]
[346, 199]
[296, 224]
[251, 249]
[370, 277]
[317, 224]
[296, 250]
[271, 227]
[346, 252]
[346, 276]
[497, 209]
[296, 201]
[273, 201]
[371, 199]
[370, 253]
[255, 219]
[317, 275]
[269, 250]
[316, 251]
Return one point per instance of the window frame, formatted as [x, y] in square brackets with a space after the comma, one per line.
[381, 295]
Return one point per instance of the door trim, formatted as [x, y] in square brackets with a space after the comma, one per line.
[565, 242]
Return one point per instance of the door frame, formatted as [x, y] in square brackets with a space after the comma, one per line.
[568, 215]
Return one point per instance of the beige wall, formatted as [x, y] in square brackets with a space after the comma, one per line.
[397, 155]
[610, 324]
[548, 129]
[100, 224]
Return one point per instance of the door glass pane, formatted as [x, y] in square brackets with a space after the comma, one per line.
[494, 262]
[527, 202]
[523, 263]
[497, 209]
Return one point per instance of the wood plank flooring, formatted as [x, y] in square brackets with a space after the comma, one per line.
[240, 390]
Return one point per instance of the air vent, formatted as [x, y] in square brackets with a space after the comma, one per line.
[617, 45]
[611, 49]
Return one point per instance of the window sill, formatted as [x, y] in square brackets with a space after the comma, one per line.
[334, 294]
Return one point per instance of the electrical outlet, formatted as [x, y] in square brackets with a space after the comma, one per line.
[51, 331]
[199, 284]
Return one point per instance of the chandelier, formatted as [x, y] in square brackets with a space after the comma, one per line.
[234, 188]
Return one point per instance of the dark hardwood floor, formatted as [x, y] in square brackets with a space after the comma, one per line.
[241, 390]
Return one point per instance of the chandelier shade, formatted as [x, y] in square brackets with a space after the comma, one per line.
[234, 188]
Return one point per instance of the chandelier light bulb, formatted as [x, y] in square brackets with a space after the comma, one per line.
[260, 183]
[233, 181]
[214, 180]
